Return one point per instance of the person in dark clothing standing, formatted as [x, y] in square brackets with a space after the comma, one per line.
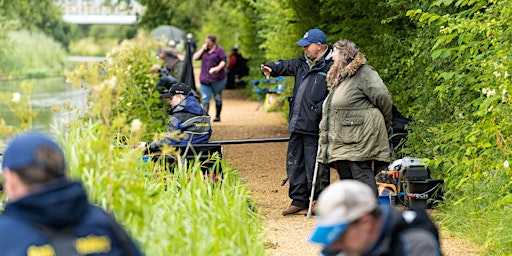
[237, 68]
[192, 41]
[309, 93]
[48, 213]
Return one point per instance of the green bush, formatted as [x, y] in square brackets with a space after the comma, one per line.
[459, 93]
[91, 47]
[31, 54]
[127, 75]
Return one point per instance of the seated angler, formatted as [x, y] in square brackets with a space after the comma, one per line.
[166, 81]
[187, 116]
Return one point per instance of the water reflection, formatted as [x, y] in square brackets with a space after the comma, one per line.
[46, 93]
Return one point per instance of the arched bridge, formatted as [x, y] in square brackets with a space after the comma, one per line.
[98, 12]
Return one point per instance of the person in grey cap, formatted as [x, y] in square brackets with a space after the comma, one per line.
[309, 92]
[47, 213]
[350, 222]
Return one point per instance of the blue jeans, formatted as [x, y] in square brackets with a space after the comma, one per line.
[215, 88]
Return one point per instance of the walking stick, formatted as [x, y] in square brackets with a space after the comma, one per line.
[315, 173]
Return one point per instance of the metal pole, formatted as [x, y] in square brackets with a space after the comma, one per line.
[247, 141]
[315, 173]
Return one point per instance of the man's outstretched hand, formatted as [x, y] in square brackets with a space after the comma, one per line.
[266, 71]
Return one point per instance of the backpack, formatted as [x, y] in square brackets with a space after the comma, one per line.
[412, 218]
[416, 217]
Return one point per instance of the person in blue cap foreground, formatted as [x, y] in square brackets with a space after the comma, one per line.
[350, 222]
[47, 213]
[309, 92]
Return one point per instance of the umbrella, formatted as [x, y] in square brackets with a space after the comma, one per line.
[187, 75]
[168, 32]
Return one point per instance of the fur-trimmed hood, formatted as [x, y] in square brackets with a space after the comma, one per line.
[349, 70]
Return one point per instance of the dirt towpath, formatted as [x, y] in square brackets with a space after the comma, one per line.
[262, 166]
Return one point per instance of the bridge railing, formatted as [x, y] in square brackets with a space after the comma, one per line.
[97, 12]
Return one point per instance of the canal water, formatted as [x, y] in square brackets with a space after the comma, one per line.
[47, 93]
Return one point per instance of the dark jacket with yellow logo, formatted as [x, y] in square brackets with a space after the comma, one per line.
[61, 205]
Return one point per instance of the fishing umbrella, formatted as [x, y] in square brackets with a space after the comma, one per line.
[168, 32]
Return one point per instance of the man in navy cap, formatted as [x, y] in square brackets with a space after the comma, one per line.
[305, 113]
[48, 214]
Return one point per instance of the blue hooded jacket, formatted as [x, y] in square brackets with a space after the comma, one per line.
[59, 205]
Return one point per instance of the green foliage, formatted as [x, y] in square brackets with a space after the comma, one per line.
[21, 106]
[20, 59]
[98, 40]
[461, 109]
[42, 16]
[118, 32]
[91, 47]
[186, 15]
[276, 32]
[127, 75]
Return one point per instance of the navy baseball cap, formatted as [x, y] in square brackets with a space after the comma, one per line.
[313, 36]
[179, 88]
[21, 151]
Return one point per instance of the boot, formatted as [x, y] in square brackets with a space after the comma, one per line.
[206, 107]
[217, 115]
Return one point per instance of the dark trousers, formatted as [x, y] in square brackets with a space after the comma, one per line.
[300, 166]
[362, 171]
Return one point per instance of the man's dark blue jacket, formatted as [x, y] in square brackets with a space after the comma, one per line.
[309, 91]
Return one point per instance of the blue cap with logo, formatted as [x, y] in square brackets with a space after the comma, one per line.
[21, 151]
[313, 36]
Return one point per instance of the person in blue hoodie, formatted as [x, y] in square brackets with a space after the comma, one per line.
[187, 117]
[47, 213]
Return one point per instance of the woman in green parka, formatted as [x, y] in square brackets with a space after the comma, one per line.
[356, 117]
